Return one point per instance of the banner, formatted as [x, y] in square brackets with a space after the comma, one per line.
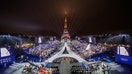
[123, 59]
[5, 56]
[7, 60]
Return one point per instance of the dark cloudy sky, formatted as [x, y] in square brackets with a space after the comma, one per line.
[85, 17]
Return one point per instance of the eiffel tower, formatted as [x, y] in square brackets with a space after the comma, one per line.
[65, 32]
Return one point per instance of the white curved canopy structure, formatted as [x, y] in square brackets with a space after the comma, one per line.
[70, 54]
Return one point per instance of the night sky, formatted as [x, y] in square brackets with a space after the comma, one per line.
[85, 17]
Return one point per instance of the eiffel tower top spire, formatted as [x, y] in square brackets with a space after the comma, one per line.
[65, 20]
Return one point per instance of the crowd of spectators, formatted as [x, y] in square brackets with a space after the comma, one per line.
[71, 60]
[93, 68]
[27, 69]
[81, 46]
[44, 50]
[50, 70]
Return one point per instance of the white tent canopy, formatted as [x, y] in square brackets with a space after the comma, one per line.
[70, 54]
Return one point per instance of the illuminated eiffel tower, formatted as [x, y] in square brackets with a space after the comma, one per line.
[65, 32]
